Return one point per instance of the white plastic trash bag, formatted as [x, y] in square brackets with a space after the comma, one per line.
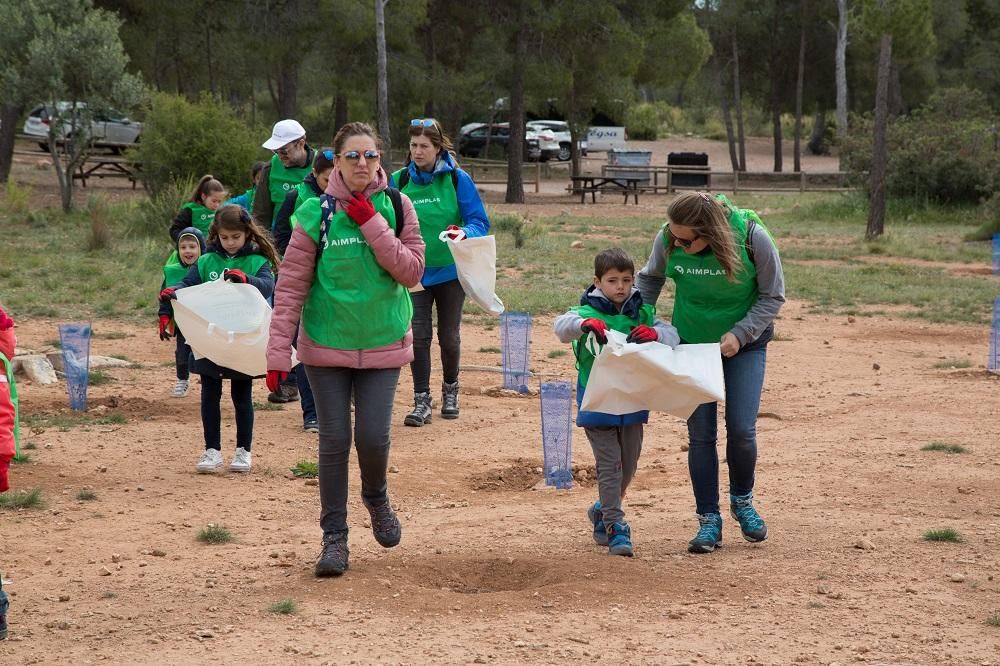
[227, 323]
[630, 377]
[476, 264]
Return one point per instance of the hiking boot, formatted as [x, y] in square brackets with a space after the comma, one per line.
[385, 524]
[285, 393]
[620, 540]
[709, 536]
[181, 388]
[449, 400]
[422, 406]
[241, 461]
[597, 520]
[751, 524]
[333, 558]
[210, 462]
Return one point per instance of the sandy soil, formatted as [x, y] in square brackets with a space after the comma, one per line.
[491, 571]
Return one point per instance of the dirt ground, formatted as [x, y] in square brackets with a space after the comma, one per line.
[492, 571]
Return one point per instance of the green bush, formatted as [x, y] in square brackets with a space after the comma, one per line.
[153, 215]
[943, 152]
[642, 122]
[183, 140]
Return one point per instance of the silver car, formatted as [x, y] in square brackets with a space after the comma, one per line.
[561, 133]
[108, 129]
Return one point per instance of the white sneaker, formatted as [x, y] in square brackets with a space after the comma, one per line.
[181, 388]
[211, 461]
[241, 461]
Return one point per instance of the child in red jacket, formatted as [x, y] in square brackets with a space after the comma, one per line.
[8, 399]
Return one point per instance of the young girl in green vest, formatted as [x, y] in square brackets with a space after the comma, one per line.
[199, 211]
[446, 200]
[238, 251]
[190, 246]
[353, 254]
[729, 287]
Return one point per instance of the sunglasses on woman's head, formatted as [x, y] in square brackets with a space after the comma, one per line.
[327, 155]
[354, 156]
[422, 122]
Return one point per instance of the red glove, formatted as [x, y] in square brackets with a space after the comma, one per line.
[6, 323]
[360, 209]
[642, 333]
[167, 294]
[234, 275]
[166, 327]
[4, 481]
[274, 380]
[597, 327]
[454, 232]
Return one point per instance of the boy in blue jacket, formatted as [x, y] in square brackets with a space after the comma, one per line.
[611, 302]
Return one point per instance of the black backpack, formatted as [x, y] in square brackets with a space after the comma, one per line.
[331, 206]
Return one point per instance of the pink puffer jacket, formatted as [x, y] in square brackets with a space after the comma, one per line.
[402, 257]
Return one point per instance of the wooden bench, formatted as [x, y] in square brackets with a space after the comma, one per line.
[584, 185]
[96, 166]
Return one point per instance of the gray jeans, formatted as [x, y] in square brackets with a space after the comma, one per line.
[373, 392]
[616, 453]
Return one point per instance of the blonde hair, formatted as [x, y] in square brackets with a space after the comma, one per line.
[709, 218]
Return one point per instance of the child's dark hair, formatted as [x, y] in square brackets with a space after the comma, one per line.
[207, 185]
[612, 258]
[236, 218]
[256, 169]
[324, 160]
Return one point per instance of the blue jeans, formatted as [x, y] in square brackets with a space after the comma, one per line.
[744, 376]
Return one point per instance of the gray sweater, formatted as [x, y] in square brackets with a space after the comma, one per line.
[770, 284]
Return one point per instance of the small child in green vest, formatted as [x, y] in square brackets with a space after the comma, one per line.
[246, 199]
[238, 250]
[190, 246]
[199, 211]
[611, 302]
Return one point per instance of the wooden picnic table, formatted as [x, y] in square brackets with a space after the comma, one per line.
[594, 184]
[103, 166]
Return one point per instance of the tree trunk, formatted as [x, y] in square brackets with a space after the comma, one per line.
[841, 59]
[776, 125]
[880, 150]
[383, 85]
[515, 144]
[797, 157]
[816, 144]
[340, 113]
[8, 129]
[727, 117]
[288, 86]
[896, 105]
[738, 103]
[208, 59]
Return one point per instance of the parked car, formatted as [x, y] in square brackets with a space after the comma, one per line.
[109, 129]
[473, 142]
[560, 130]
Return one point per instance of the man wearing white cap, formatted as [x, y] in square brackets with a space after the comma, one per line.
[290, 164]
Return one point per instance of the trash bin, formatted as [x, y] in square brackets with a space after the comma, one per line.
[688, 160]
[630, 158]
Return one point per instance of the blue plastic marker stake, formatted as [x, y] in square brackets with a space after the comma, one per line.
[993, 362]
[515, 342]
[75, 342]
[996, 254]
[557, 433]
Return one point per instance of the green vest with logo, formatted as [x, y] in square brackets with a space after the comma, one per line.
[211, 265]
[201, 217]
[706, 304]
[616, 322]
[436, 205]
[283, 180]
[353, 303]
[174, 271]
[9, 372]
[305, 193]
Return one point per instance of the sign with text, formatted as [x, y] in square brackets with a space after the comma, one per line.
[605, 138]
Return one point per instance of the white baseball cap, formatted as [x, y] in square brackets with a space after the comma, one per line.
[284, 132]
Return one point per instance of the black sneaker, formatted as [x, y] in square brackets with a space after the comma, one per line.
[333, 559]
[385, 524]
[312, 425]
[449, 400]
[421, 413]
[285, 393]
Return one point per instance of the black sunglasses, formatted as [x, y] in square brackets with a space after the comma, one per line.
[683, 242]
[354, 156]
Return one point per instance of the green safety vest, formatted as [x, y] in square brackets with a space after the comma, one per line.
[436, 205]
[174, 271]
[9, 371]
[201, 217]
[706, 304]
[251, 193]
[617, 322]
[305, 193]
[353, 302]
[281, 180]
[211, 265]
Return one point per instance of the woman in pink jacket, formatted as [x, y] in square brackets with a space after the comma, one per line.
[353, 254]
